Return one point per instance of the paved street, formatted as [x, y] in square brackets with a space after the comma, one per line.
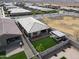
[40, 16]
[30, 51]
[15, 51]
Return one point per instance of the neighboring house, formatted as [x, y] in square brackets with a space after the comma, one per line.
[13, 10]
[28, 4]
[2, 12]
[8, 4]
[40, 8]
[32, 27]
[11, 7]
[10, 35]
[18, 11]
[53, 6]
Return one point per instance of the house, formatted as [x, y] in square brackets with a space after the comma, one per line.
[40, 8]
[10, 35]
[28, 4]
[1, 12]
[7, 4]
[32, 27]
[11, 7]
[13, 10]
[18, 11]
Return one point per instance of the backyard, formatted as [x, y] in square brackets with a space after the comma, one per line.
[44, 43]
[20, 55]
[34, 12]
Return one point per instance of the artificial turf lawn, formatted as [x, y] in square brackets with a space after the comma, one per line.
[44, 12]
[44, 43]
[20, 55]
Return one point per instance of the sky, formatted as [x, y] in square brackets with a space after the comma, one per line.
[43, 0]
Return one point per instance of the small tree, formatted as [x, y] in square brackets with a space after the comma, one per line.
[63, 57]
[33, 12]
[34, 57]
[40, 48]
[33, 4]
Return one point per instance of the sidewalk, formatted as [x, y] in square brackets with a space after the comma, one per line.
[15, 52]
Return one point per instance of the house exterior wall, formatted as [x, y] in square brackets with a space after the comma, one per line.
[75, 44]
[3, 41]
[2, 44]
[18, 14]
[37, 34]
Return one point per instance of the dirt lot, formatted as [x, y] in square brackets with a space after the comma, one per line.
[67, 24]
[67, 4]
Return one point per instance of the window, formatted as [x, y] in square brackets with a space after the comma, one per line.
[10, 40]
[43, 31]
[35, 33]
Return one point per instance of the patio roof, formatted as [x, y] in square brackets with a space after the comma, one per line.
[32, 25]
[8, 26]
[58, 33]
